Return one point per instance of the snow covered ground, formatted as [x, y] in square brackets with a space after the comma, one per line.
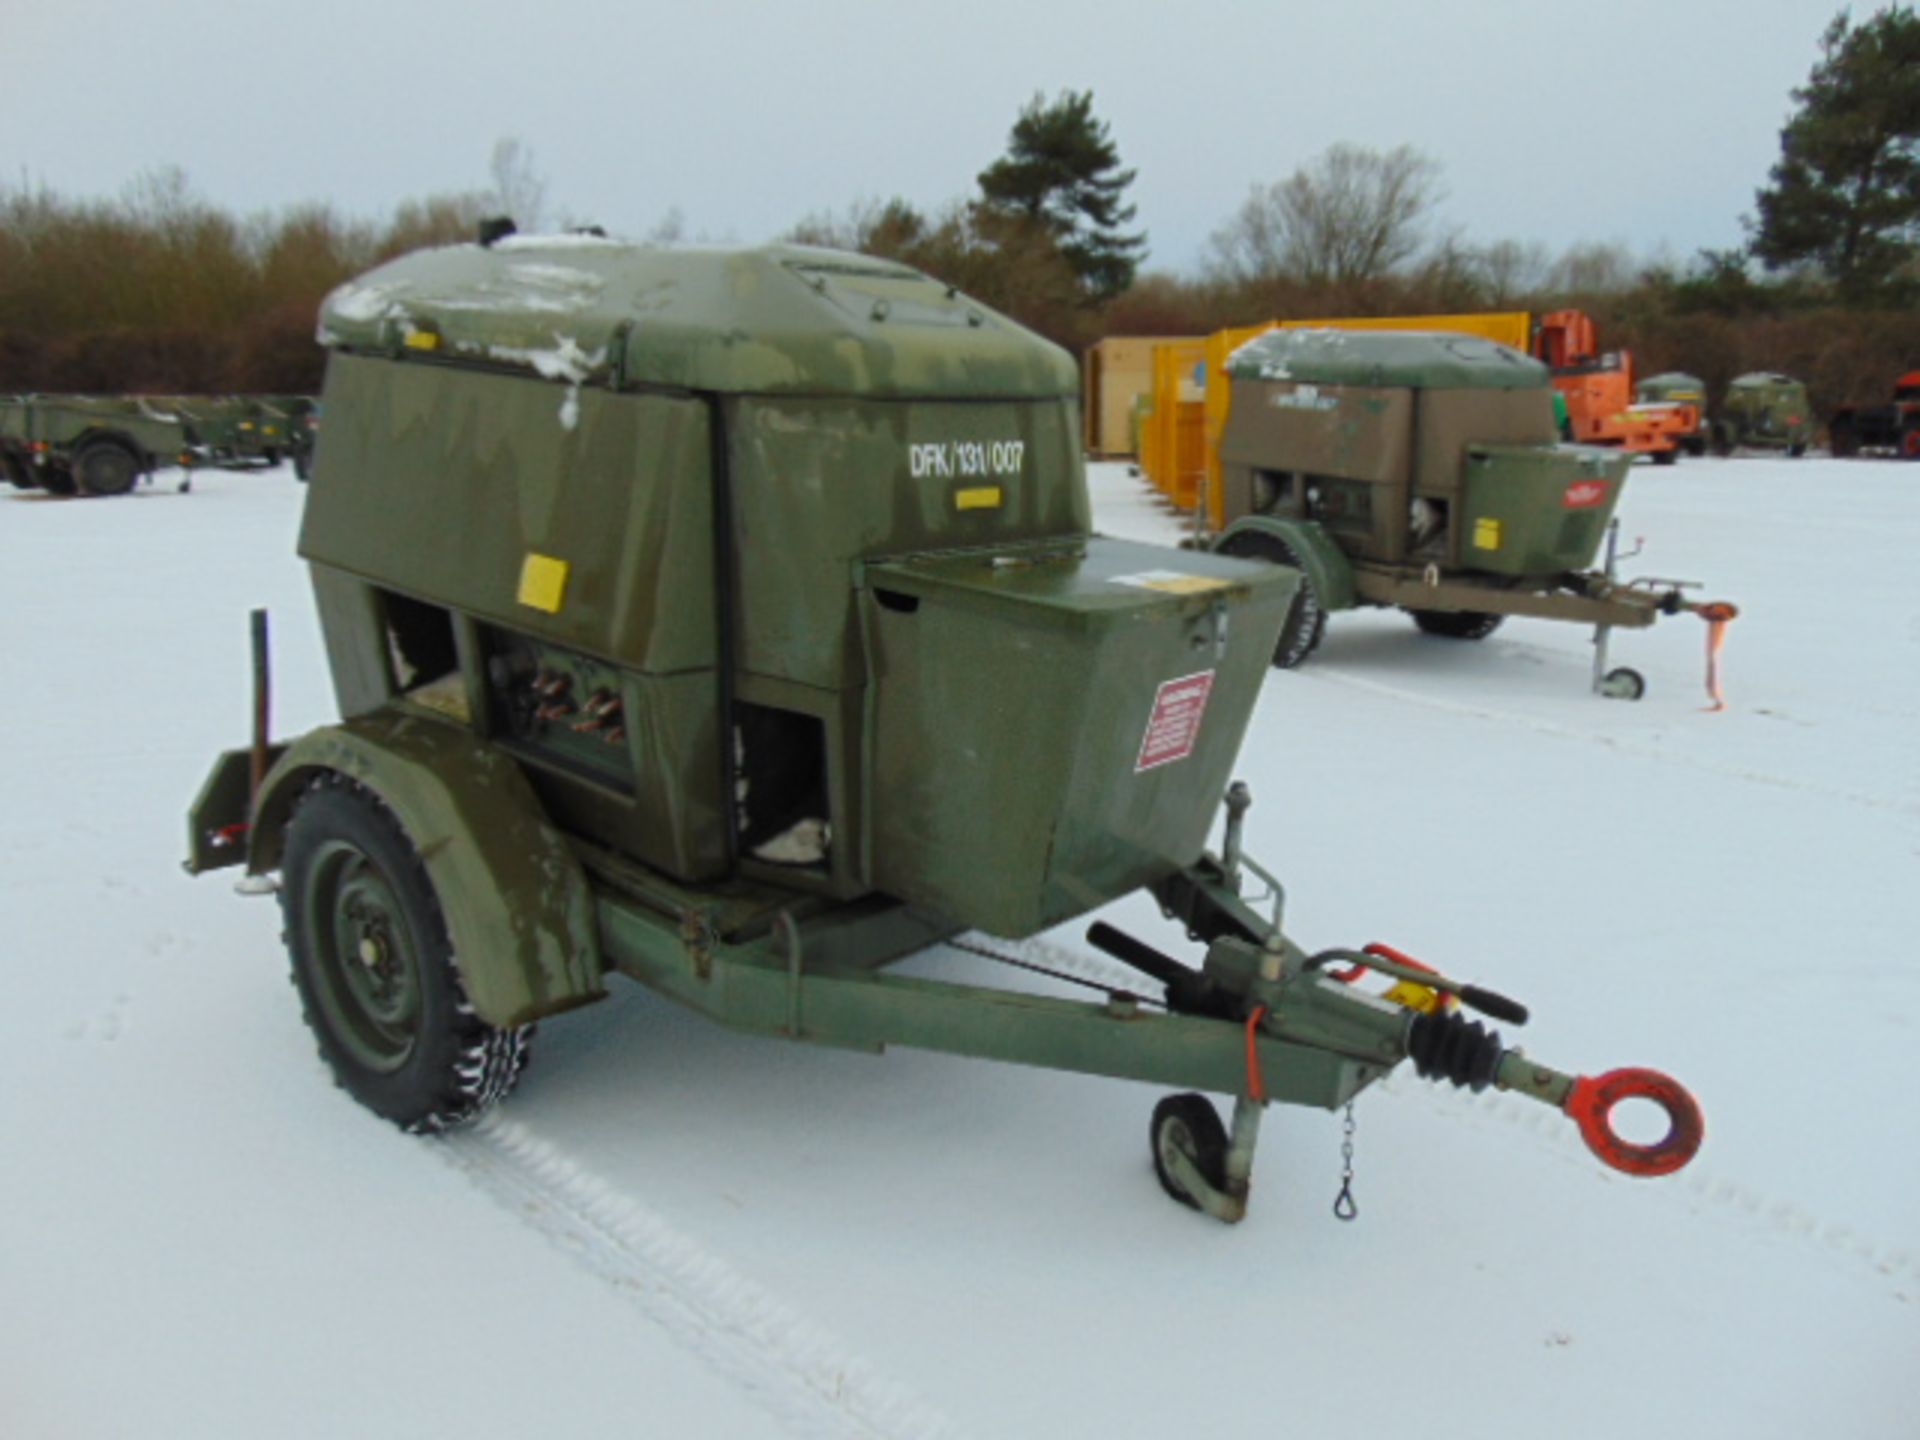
[675, 1230]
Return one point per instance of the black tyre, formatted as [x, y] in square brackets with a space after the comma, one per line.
[374, 968]
[1457, 624]
[302, 465]
[19, 474]
[1188, 1125]
[1842, 441]
[105, 467]
[1666, 457]
[1796, 449]
[1723, 438]
[1306, 616]
[1622, 683]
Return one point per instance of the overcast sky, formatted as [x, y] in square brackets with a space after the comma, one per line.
[1646, 122]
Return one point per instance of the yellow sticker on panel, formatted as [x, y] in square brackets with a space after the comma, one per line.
[543, 582]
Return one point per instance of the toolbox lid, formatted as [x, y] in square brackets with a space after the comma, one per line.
[1095, 582]
[778, 319]
[1415, 359]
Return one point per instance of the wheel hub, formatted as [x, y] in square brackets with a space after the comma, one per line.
[371, 976]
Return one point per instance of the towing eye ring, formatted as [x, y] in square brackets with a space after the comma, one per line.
[1590, 1106]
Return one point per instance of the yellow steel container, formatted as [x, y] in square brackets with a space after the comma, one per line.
[1173, 437]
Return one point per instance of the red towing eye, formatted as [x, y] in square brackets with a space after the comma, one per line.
[1591, 1106]
[1591, 1100]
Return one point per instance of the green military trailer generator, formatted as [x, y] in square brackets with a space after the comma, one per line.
[1675, 387]
[91, 445]
[1424, 471]
[1764, 410]
[734, 621]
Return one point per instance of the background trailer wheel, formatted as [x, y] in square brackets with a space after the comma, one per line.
[1623, 683]
[1306, 617]
[375, 972]
[1457, 624]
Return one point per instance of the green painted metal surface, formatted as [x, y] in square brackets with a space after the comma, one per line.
[1055, 728]
[822, 484]
[1534, 510]
[759, 987]
[1327, 567]
[778, 320]
[516, 901]
[1415, 359]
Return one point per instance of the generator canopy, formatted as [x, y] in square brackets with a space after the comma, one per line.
[1761, 380]
[1412, 359]
[776, 320]
[1670, 380]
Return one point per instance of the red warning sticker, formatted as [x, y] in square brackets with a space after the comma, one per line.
[1174, 726]
[1585, 494]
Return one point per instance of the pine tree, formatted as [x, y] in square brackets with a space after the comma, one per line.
[1845, 194]
[1061, 175]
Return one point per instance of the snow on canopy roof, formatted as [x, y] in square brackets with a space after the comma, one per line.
[1760, 379]
[1420, 359]
[777, 319]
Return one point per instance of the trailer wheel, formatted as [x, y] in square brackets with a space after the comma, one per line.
[1623, 683]
[1723, 440]
[19, 473]
[105, 467]
[1842, 442]
[1188, 1125]
[374, 968]
[1457, 624]
[1306, 616]
[1796, 449]
[1666, 457]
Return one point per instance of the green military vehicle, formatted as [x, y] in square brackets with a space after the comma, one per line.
[300, 428]
[1676, 387]
[236, 432]
[91, 445]
[1423, 471]
[1764, 410]
[733, 621]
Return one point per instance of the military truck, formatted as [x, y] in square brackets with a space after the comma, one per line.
[1891, 428]
[1422, 470]
[1676, 387]
[91, 445]
[733, 620]
[1764, 410]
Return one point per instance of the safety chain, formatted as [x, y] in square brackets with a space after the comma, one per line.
[1343, 1206]
[1112, 992]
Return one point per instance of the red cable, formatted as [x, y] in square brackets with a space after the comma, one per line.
[1256, 1087]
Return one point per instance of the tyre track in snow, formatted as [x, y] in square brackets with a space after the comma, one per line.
[805, 1378]
[1895, 805]
[1707, 1196]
